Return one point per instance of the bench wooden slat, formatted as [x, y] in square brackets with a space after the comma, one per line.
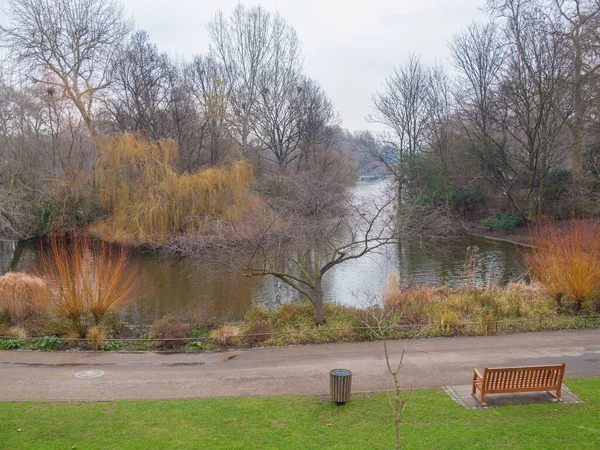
[518, 379]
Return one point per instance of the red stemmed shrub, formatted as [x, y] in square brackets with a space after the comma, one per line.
[565, 259]
[87, 279]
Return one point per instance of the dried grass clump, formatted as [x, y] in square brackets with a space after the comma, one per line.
[390, 291]
[98, 335]
[22, 295]
[225, 335]
[87, 280]
[17, 331]
[566, 259]
[144, 195]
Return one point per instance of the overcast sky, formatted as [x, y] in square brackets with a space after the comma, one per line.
[349, 46]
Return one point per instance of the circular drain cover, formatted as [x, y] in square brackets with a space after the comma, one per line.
[89, 374]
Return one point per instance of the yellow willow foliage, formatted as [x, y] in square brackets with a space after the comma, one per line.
[143, 194]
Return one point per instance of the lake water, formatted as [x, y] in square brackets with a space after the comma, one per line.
[182, 286]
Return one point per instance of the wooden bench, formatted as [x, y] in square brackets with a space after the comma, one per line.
[502, 380]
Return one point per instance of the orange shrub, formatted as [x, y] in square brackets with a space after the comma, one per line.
[566, 259]
[87, 280]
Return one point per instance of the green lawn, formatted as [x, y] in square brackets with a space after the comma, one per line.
[432, 420]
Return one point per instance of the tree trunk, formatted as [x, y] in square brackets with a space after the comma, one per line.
[14, 264]
[318, 301]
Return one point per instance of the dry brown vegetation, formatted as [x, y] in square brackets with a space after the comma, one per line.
[451, 306]
[390, 291]
[87, 279]
[98, 335]
[226, 334]
[169, 328]
[146, 198]
[21, 295]
[565, 259]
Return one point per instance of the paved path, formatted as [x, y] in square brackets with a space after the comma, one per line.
[285, 370]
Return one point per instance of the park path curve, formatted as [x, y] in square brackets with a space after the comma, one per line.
[432, 362]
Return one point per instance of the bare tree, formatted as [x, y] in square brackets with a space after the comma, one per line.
[316, 119]
[139, 95]
[534, 97]
[277, 108]
[184, 118]
[382, 319]
[479, 57]
[209, 88]
[403, 107]
[580, 30]
[315, 227]
[246, 44]
[67, 45]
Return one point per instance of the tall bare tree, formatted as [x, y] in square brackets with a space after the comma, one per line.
[67, 45]
[139, 94]
[580, 29]
[316, 122]
[479, 57]
[534, 97]
[246, 44]
[209, 88]
[404, 108]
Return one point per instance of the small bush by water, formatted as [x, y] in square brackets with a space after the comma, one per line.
[169, 328]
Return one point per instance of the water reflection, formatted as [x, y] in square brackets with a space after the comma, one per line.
[184, 287]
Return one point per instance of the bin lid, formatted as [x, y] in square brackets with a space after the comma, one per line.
[341, 372]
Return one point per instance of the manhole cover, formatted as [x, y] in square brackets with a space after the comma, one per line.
[89, 374]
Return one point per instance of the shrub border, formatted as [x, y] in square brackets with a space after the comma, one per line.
[489, 328]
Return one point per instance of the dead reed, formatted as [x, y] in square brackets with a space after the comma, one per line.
[22, 294]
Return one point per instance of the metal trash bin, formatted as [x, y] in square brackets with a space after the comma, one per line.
[340, 381]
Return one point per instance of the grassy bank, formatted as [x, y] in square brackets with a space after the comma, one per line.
[428, 311]
[431, 420]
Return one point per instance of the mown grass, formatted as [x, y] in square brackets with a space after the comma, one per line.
[431, 420]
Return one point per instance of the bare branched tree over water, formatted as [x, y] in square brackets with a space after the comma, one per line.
[314, 227]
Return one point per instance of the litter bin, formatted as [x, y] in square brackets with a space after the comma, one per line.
[340, 381]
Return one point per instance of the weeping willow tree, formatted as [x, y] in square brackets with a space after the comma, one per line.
[145, 197]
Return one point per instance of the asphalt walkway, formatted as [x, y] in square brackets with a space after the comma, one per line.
[29, 375]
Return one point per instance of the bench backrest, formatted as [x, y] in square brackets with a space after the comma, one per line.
[523, 377]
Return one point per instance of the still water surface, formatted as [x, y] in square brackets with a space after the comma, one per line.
[182, 286]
